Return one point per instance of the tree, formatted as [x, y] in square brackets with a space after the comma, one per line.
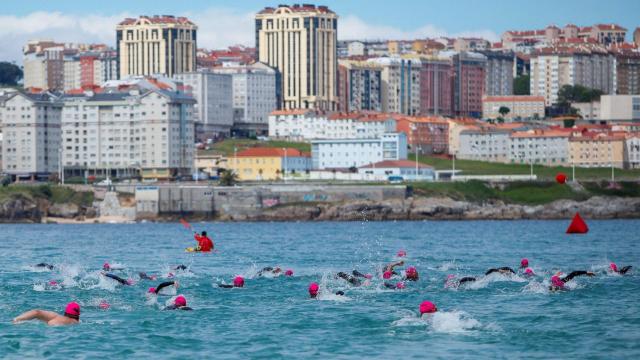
[578, 93]
[228, 178]
[10, 74]
[504, 110]
[521, 85]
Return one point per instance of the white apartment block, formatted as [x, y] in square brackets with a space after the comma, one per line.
[521, 107]
[400, 84]
[304, 125]
[31, 134]
[632, 151]
[72, 73]
[620, 107]
[254, 97]
[544, 147]
[123, 134]
[484, 144]
[551, 69]
[214, 101]
[347, 153]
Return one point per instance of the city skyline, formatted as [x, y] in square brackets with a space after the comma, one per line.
[73, 21]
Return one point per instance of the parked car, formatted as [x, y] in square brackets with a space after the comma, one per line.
[105, 182]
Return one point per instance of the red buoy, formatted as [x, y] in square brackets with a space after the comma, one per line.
[561, 178]
[577, 226]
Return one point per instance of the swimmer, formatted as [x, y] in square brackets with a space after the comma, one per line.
[118, 279]
[529, 272]
[71, 316]
[411, 274]
[269, 269]
[361, 275]
[289, 272]
[557, 283]
[390, 267]
[427, 307]
[313, 290]
[180, 303]
[44, 265]
[503, 270]
[163, 285]
[452, 282]
[204, 242]
[350, 279]
[614, 268]
[237, 282]
[397, 286]
[180, 267]
[144, 276]
[524, 263]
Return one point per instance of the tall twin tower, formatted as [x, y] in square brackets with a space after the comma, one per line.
[299, 41]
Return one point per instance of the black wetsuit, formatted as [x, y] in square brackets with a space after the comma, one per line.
[358, 274]
[175, 307]
[45, 265]
[341, 293]
[624, 269]
[350, 279]
[164, 285]
[390, 285]
[180, 267]
[466, 279]
[269, 269]
[117, 278]
[500, 270]
[574, 274]
[226, 286]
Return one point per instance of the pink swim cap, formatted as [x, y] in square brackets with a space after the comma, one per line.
[289, 272]
[400, 285]
[151, 290]
[180, 301]
[411, 273]
[238, 281]
[129, 281]
[555, 281]
[313, 289]
[524, 263]
[427, 307]
[53, 283]
[402, 253]
[106, 266]
[104, 305]
[170, 275]
[450, 276]
[386, 275]
[72, 309]
[613, 267]
[368, 276]
[528, 271]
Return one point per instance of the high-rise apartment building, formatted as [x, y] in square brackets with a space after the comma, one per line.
[498, 80]
[31, 134]
[552, 68]
[214, 103]
[400, 84]
[468, 83]
[360, 86]
[156, 45]
[299, 41]
[628, 72]
[436, 87]
[44, 65]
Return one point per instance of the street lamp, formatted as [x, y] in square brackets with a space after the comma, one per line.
[285, 165]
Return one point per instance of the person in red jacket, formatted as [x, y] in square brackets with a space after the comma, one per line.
[204, 242]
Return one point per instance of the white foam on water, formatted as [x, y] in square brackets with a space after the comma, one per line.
[485, 281]
[536, 287]
[452, 322]
[32, 268]
[448, 265]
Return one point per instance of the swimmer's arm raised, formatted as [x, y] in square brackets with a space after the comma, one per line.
[41, 315]
[164, 285]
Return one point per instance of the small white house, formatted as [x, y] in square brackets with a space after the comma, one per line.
[399, 170]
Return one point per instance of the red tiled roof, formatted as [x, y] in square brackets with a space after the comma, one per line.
[290, 112]
[396, 164]
[610, 27]
[540, 133]
[272, 152]
[298, 8]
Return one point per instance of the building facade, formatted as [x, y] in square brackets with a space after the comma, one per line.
[468, 83]
[425, 135]
[541, 147]
[214, 101]
[484, 143]
[498, 79]
[254, 97]
[257, 164]
[628, 72]
[305, 125]
[632, 151]
[146, 133]
[349, 153]
[521, 107]
[620, 107]
[299, 41]
[597, 150]
[43, 63]
[360, 86]
[405, 169]
[31, 135]
[400, 84]
[436, 87]
[152, 45]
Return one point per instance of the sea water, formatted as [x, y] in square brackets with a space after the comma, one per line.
[273, 317]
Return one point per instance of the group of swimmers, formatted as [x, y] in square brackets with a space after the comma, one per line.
[355, 278]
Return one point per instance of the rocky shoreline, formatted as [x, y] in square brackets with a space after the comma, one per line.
[23, 210]
[443, 208]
